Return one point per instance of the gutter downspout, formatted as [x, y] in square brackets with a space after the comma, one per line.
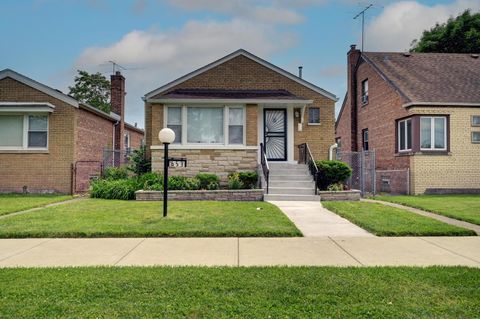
[113, 143]
[330, 151]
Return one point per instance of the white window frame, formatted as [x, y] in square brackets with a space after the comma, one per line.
[24, 146]
[473, 120]
[432, 133]
[404, 122]
[473, 140]
[364, 93]
[226, 124]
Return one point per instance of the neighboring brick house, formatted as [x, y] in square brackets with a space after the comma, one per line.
[224, 110]
[50, 142]
[418, 111]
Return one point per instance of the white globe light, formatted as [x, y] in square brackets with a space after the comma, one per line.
[166, 136]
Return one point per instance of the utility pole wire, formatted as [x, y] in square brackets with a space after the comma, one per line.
[362, 14]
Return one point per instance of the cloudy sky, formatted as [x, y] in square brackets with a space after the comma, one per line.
[159, 40]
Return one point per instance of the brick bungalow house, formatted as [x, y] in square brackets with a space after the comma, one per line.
[224, 110]
[419, 111]
[50, 142]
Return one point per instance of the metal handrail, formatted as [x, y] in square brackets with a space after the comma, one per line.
[305, 157]
[265, 167]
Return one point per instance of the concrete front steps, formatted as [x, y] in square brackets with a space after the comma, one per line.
[290, 182]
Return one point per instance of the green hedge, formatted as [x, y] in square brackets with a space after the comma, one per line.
[332, 172]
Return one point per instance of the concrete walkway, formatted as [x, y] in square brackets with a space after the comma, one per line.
[313, 220]
[447, 220]
[313, 251]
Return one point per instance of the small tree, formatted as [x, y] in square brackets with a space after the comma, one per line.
[141, 164]
[457, 35]
[93, 89]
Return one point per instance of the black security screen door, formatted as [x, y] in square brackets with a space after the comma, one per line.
[275, 134]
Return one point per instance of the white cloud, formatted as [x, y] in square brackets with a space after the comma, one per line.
[157, 57]
[261, 11]
[402, 22]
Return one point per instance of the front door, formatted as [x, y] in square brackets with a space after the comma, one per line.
[275, 134]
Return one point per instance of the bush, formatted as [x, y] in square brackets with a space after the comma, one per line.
[150, 181]
[208, 181]
[141, 164]
[249, 179]
[242, 180]
[115, 173]
[234, 181]
[332, 172]
[114, 189]
[183, 183]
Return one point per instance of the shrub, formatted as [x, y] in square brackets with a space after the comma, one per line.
[114, 189]
[336, 187]
[331, 172]
[242, 180]
[234, 181]
[249, 179]
[150, 181]
[183, 183]
[115, 173]
[141, 164]
[208, 181]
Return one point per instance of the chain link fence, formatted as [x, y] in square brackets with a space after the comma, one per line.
[116, 158]
[370, 180]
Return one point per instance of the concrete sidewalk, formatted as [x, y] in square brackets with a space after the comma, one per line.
[313, 251]
[314, 220]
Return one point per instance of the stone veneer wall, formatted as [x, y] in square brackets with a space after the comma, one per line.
[221, 195]
[219, 161]
[351, 195]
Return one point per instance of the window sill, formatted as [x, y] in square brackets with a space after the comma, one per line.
[24, 152]
[313, 124]
[434, 153]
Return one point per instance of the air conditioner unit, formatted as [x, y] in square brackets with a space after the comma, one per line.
[365, 99]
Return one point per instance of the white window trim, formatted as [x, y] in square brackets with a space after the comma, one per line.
[25, 147]
[472, 121]
[432, 133]
[473, 141]
[184, 143]
[406, 135]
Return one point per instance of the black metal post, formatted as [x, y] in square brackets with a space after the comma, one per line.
[165, 179]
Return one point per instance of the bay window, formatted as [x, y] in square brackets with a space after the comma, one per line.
[23, 132]
[405, 135]
[207, 125]
[433, 133]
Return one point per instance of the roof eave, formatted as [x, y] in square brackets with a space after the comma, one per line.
[441, 104]
[229, 101]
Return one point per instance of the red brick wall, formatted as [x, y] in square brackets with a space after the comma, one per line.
[93, 134]
[135, 138]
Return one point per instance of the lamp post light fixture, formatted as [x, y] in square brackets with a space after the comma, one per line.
[166, 137]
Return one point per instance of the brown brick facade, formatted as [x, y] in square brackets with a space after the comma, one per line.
[76, 139]
[242, 73]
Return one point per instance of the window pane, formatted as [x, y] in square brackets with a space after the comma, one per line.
[37, 139]
[235, 116]
[205, 125]
[409, 134]
[11, 130]
[178, 133]
[476, 120]
[402, 135]
[235, 134]
[476, 137]
[174, 115]
[439, 132]
[314, 115]
[425, 132]
[37, 123]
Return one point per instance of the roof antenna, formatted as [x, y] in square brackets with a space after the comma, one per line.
[362, 14]
[115, 66]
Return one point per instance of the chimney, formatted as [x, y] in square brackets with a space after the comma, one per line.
[117, 101]
[300, 68]
[352, 59]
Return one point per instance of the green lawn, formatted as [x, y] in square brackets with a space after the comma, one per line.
[115, 218]
[382, 293]
[389, 221]
[10, 203]
[462, 207]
